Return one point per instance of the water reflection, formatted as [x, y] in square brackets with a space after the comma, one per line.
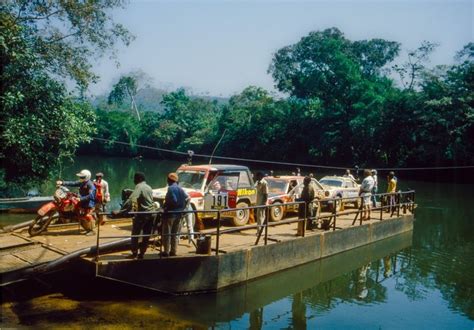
[256, 319]
[350, 276]
[298, 311]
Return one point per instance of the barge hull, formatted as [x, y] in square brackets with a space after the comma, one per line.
[213, 273]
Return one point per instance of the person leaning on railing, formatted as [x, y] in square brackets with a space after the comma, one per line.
[141, 200]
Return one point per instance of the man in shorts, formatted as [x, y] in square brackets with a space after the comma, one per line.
[366, 193]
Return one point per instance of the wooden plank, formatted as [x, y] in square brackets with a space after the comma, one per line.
[10, 262]
[37, 255]
[9, 241]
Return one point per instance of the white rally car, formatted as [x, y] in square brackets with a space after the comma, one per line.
[341, 187]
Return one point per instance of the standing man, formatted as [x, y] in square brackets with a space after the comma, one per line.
[307, 196]
[141, 200]
[375, 189]
[262, 197]
[391, 189]
[366, 192]
[175, 200]
[102, 196]
[87, 193]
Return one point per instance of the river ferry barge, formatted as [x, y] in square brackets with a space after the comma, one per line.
[236, 255]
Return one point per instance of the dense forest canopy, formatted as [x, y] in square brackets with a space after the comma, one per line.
[343, 106]
[339, 104]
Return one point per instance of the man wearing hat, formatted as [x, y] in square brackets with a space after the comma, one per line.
[102, 196]
[175, 200]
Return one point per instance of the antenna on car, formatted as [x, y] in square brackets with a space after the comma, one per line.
[215, 148]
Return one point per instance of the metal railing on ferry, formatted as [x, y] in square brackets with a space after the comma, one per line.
[393, 203]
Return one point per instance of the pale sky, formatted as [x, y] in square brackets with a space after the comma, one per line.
[220, 47]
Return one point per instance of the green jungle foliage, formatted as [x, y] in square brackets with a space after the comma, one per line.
[42, 44]
[339, 101]
[342, 107]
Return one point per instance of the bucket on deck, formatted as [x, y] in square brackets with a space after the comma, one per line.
[325, 225]
[203, 245]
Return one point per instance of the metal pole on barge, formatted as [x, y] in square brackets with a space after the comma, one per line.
[267, 215]
[97, 246]
[218, 231]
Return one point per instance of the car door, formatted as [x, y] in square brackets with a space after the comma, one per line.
[295, 194]
[246, 189]
[351, 191]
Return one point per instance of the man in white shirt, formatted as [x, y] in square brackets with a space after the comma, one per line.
[366, 193]
[375, 189]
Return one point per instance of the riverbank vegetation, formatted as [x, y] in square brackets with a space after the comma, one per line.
[341, 102]
[43, 46]
[338, 101]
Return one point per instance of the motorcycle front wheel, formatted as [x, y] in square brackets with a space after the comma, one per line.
[41, 223]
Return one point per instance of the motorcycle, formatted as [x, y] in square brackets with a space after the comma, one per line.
[64, 209]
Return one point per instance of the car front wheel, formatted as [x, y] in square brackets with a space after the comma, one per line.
[277, 212]
[241, 217]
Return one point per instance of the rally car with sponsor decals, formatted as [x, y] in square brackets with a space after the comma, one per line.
[213, 187]
[287, 189]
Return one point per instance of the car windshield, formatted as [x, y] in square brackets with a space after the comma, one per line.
[331, 182]
[317, 184]
[225, 181]
[276, 186]
[191, 179]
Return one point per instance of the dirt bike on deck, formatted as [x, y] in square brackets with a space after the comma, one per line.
[64, 209]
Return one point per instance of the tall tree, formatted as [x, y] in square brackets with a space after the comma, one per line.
[447, 113]
[413, 68]
[43, 44]
[187, 122]
[125, 88]
[325, 64]
[346, 79]
[255, 124]
[66, 35]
